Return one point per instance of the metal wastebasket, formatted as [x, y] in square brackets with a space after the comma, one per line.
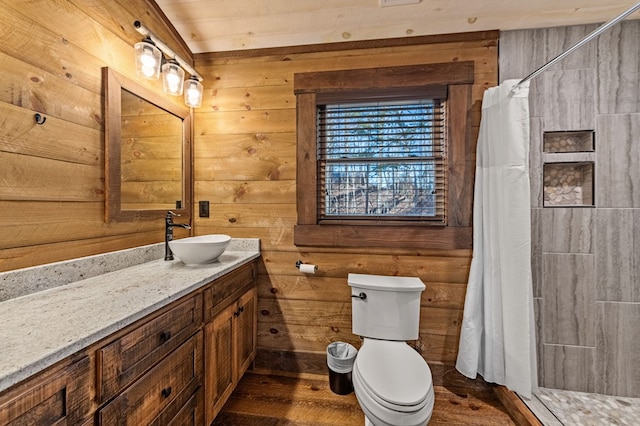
[340, 359]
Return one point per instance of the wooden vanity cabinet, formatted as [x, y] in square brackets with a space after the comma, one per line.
[62, 395]
[176, 366]
[230, 336]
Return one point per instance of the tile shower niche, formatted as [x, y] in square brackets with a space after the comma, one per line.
[568, 169]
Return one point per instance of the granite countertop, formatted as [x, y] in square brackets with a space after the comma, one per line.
[43, 328]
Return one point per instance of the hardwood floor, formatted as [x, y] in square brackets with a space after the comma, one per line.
[268, 400]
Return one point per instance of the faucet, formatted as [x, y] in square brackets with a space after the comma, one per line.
[168, 234]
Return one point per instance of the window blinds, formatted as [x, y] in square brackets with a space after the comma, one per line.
[382, 159]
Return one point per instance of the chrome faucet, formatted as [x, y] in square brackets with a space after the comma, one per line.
[168, 234]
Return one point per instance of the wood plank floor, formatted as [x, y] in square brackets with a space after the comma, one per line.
[268, 400]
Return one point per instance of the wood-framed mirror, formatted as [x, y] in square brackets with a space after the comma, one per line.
[148, 152]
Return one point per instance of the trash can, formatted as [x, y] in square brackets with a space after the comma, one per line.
[340, 358]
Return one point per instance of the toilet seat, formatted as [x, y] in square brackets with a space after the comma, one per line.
[394, 372]
[393, 383]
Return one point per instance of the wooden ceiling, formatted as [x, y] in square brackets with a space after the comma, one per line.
[223, 25]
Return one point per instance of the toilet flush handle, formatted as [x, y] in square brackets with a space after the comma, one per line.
[361, 296]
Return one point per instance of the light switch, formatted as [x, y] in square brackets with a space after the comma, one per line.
[203, 208]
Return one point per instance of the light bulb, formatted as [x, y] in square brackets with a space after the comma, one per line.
[193, 93]
[172, 77]
[147, 60]
[172, 81]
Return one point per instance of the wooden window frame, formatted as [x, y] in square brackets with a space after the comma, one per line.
[459, 78]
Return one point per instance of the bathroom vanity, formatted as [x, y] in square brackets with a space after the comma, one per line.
[147, 344]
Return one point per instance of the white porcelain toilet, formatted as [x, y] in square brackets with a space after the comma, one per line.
[392, 381]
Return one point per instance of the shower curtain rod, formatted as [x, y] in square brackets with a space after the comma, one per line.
[595, 33]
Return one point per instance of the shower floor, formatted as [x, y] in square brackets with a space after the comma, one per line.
[560, 407]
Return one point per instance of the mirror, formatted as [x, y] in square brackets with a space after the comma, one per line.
[147, 152]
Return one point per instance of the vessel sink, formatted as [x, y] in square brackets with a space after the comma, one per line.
[199, 250]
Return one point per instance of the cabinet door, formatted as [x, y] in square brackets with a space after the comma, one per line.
[246, 323]
[62, 397]
[219, 361]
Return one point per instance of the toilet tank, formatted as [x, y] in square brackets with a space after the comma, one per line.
[389, 309]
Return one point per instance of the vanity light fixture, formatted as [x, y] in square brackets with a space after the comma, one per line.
[150, 58]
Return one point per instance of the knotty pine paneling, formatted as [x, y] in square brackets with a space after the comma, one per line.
[35, 178]
[252, 121]
[245, 153]
[75, 144]
[249, 145]
[52, 176]
[271, 238]
[446, 296]
[263, 97]
[252, 216]
[32, 225]
[251, 169]
[34, 89]
[340, 264]
[24, 256]
[247, 192]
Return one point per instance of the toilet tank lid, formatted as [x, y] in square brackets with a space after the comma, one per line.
[385, 283]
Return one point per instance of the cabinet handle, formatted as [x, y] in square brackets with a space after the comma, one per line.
[239, 311]
[166, 392]
[164, 337]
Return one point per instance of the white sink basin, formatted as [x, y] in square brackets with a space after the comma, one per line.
[199, 250]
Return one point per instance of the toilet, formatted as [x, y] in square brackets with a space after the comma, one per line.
[392, 381]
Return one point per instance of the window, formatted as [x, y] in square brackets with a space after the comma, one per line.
[381, 160]
[384, 157]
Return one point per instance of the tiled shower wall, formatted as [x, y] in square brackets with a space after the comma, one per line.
[586, 260]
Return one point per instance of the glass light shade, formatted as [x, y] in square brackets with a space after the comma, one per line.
[193, 92]
[148, 59]
[172, 78]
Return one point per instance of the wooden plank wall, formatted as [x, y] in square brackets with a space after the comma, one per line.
[52, 175]
[245, 166]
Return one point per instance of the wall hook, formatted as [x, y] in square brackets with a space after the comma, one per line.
[40, 119]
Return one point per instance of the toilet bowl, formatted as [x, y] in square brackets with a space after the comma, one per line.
[392, 383]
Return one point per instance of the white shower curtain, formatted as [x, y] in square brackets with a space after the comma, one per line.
[497, 337]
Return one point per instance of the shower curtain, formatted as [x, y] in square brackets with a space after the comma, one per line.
[497, 337]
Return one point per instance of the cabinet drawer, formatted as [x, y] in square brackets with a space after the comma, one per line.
[124, 360]
[226, 286]
[160, 395]
[62, 397]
